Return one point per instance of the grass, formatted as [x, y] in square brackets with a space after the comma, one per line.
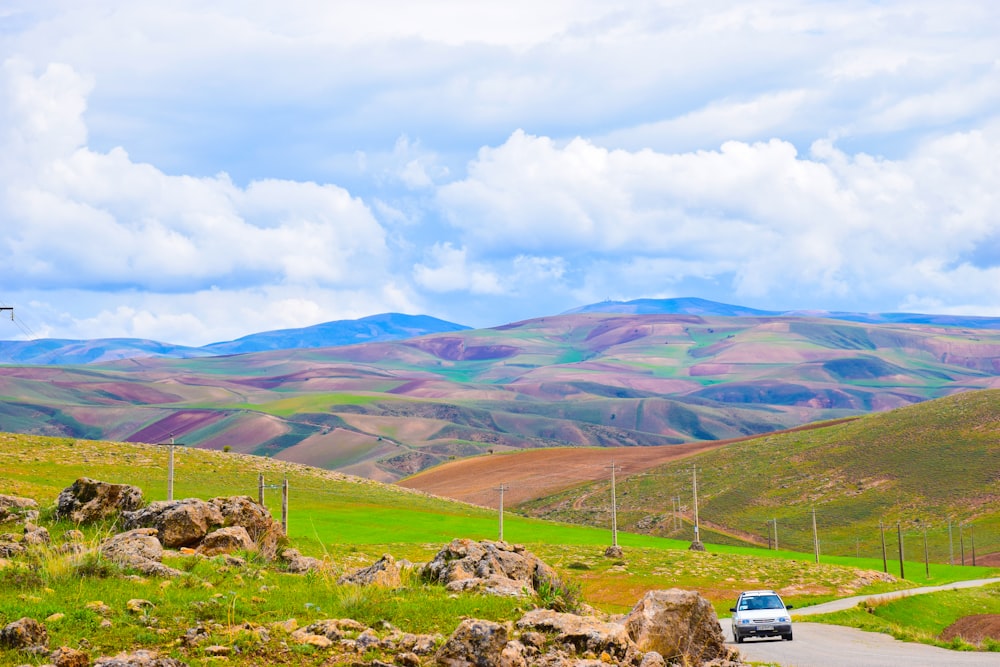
[349, 523]
[922, 618]
[927, 468]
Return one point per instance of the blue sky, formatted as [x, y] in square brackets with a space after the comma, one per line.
[193, 172]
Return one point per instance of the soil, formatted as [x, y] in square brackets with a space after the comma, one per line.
[974, 629]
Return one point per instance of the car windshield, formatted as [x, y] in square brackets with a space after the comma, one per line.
[761, 602]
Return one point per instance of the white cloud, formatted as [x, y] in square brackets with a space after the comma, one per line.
[760, 215]
[452, 272]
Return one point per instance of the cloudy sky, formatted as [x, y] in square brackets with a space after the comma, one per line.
[194, 171]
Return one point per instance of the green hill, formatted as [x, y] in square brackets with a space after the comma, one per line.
[925, 467]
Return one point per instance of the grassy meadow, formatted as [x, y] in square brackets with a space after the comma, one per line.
[348, 522]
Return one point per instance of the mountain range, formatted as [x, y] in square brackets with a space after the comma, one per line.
[386, 409]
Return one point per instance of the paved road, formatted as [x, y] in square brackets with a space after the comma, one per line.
[821, 645]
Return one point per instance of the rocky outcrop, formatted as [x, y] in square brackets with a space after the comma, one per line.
[258, 522]
[679, 625]
[25, 634]
[138, 549]
[89, 500]
[384, 572]
[495, 568]
[179, 523]
[66, 656]
[299, 564]
[583, 633]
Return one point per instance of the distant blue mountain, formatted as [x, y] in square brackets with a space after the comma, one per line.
[691, 306]
[384, 327]
[680, 306]
[372, 329]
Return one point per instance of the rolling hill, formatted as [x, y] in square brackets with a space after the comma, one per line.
[932, 468]
[386, 410]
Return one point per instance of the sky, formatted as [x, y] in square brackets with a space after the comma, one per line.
[195, 171]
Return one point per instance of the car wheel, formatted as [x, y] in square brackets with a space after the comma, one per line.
[737, 638]
[787, 637]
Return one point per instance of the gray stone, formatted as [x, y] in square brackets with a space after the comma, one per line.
[474, 643]
[490, 567]
[25, 634]
[138, 549]
[384, 572]
[677, 623]
[227, 540]
[89, 500]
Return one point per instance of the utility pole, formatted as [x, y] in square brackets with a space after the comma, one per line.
[899, 538]
[284, 507]
[501, 489]
[815, 538]
[260, 489]
[614, 505]
[927, 563]
[885, 563]
[972, 536]
[951, 546]
[775, 522]
[170, 467]
[694, 484]
[961, 542]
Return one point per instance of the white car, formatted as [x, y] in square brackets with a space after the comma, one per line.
[761, 614]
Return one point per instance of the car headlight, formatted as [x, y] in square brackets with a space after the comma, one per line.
[784, 619]
[745, 621]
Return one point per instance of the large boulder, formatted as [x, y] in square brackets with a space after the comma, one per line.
[474, 643]
[384, 572]
[89, 500]
[255, 518]
[583, 633]
[25, 634]
[679, 625]
[497, 568]
[138, 549]
[179, 523]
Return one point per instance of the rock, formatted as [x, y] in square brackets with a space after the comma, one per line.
[256, 519]
[583, 633]
[89, 500]
[15, 508]
[69, 657]
[490, 567]
[226, 541]
[35, 535]
[73, 536]
[474, 642]
[217, 650]
[299, 564]
[179, 523]
[512, 655]
[319, 641]
[11, 549]
[384, 572]
[679, 624]
[652, 659]
[614, 551]
[140, 658]
[138, 549]
[138, 606]
[55, 618]
[25, 634]
[696, 546]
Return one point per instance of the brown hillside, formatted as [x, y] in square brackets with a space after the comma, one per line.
[536, 473]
